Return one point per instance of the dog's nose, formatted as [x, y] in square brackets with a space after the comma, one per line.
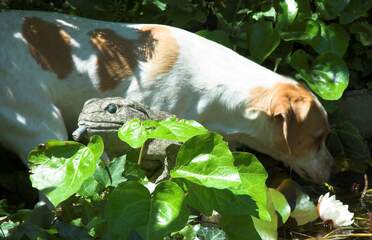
[322, 171]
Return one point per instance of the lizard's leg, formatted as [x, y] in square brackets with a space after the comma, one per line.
[27, 119]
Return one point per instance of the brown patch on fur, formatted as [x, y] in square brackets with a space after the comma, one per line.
[295, 112]
[164, 52]
[259, 98]
[49, 45]
[118, 56]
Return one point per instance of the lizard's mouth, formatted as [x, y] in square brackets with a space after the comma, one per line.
[81, 132]
[101, 125]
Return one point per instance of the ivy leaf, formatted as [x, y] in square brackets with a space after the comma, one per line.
[363, 32]
[206, 200]
[116, 170]
[301, 30]
[330, 9]
[206, 160]
[61, 167]
[354, 145]
[167, 213]
[90, 189]
[332, 38]
[280, 204]
[354, 10]
[239, 227]
[127, 207]
[69, 231]
[262, 40]
[249, 227]
[327, 75]
[253, 176]
[288, 10]
[160, 4]
[136, 132]
[304, 209]
[270, 13]
[212, 233]
[130, 209]
[6, 228]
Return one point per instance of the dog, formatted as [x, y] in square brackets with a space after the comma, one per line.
[51, 63]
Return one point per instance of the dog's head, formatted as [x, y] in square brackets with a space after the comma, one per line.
[291, 126]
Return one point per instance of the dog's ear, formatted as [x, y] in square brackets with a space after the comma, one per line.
[293, 110]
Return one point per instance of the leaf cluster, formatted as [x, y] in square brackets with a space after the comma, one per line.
[88, 198]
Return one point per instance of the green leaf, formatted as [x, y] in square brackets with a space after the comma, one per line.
[136, 132]
[239, 227]
[130, 209]
[304, 9]
[270, 13]
[280, 204]
[6, 227]
[288, 10]
[363, 32]
[267, 229]
[188, 232]
[354, 10]
[303, 29]
[104, 177]
[218, 36]
[160, 4]
[330, 9]
[249, 227]
[177, 129]
[253, 176]
[71, 232]
[327, 76]
[206, 200]
[127, 208]
[167, 213]
[90, 189]
[211, 233]
[300, 61]
[60, 167]
[116, 169]
[355, 147]
[305, 210]
[332, 38]
[262, 40]
[206, 160]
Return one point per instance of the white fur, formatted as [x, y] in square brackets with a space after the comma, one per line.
[208, 79]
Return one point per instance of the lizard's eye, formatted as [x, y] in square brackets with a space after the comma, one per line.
[111, 108]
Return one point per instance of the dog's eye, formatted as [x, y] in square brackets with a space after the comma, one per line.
[111, 108]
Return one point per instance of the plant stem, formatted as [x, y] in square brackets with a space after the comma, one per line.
[141, 154]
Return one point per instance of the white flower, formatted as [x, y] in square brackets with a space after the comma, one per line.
[330, 209]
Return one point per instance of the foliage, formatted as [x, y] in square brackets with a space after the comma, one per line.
[92, 199]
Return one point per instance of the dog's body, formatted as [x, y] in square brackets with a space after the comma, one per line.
[51, 63]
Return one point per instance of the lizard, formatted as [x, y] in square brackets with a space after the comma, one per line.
[104, 117]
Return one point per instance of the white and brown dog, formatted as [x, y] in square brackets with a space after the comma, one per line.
[51, 63]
